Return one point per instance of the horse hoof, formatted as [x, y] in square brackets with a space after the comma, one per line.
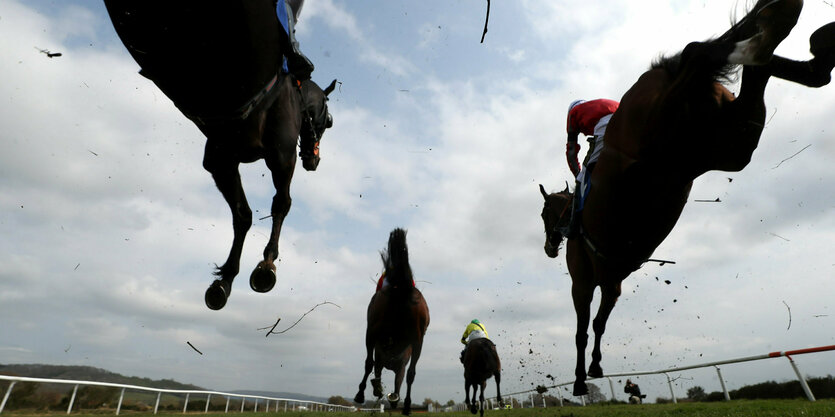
[822, 39]
[262, 278]
[473, 408]
[393, 397]
[216, 295]
[360, 398]
[580, 388]
[595, 371]
[377, 387]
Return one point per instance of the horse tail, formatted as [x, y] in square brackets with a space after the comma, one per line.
[396, 261]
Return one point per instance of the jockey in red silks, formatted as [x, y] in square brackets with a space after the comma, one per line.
[382, 282]
[589, 118]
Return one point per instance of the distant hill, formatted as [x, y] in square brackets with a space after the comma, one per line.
[89, 373]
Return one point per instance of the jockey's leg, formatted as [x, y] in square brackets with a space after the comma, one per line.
[300, 66]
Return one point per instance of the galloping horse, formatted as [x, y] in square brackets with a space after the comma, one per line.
[674, 124]
[220, 63]
[397, 321]
[481, 361]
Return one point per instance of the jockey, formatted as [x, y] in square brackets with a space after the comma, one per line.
[295, 62]
[635, 396]
[475, 330]
[589, 118]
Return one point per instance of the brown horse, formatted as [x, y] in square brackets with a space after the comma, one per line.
[481, 361]
[675, 123]
[220, 63]
[397, 321]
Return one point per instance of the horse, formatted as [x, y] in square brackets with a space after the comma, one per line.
[674, 124]
[397, 321]
[481, 361]
[220, 63]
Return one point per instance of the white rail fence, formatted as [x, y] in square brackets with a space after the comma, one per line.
[289, 404]
[529, 394]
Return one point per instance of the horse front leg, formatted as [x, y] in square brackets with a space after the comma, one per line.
[609, 297]
[263, 277]
[581, 293]
[228, 181]
[467, 392]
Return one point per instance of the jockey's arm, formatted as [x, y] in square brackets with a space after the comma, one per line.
[464, 337]
[572, 150]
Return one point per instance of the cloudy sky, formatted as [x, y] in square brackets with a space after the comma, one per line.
[110, 228]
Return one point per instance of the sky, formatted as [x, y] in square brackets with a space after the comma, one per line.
[110, 227]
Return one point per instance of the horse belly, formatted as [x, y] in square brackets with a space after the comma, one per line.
[207, 57]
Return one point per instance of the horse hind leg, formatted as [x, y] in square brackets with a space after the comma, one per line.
[369, 365]
[815, 72]
[581, 294]
[775, 19]
[481, 398]
[228, 181]
[474, 403]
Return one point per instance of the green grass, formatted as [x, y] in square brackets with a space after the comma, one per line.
[758, 408]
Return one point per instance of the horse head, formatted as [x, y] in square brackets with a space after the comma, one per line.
[315, 119]
[555, 216]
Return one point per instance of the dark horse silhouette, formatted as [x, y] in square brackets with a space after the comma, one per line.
[674, 124]
[220, 63]
[481, 361]
[397, 321]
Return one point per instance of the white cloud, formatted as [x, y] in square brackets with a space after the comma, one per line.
[111, 227]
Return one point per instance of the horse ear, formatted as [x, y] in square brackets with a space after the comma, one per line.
[542, 190]
[566, 187]
[330, 88]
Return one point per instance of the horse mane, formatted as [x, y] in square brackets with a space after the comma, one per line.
[396, 261]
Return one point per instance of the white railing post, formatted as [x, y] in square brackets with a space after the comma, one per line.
[227, 404]
[611, 388]
[256, 406]
[285, 406]
[670, 383]
[185, 404]
[72, 399]
[208, 400]
[722, 382]
[6, 397]
[156, 406]
[267, 407]
[121, 397]
[243, 402]
[801, 379]
[559, 395]
[543, 400]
